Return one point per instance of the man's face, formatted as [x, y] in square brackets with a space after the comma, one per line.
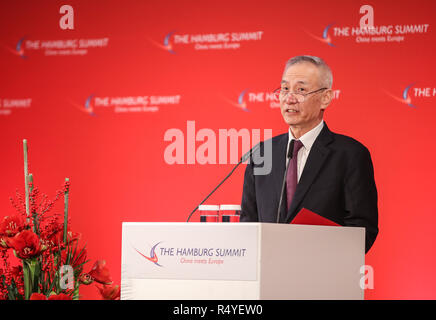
[302, 77]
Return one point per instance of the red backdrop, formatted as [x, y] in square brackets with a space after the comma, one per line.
[55, 96]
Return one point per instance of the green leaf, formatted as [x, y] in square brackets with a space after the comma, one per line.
[12, 291]
[47, 293]
[27, 280]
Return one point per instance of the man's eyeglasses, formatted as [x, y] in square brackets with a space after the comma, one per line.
[281, 94]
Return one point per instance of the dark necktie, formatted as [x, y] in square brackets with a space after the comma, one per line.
[292, 175]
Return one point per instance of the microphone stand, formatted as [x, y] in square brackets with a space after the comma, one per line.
[243, 158]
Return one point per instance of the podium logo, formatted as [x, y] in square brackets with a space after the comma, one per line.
[153, 256]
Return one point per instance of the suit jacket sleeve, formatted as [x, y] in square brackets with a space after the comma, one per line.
[248, 203]
[361, 196]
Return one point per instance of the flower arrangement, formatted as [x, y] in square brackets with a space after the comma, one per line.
[49, 260]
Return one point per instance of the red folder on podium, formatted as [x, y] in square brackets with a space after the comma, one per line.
[305, 216]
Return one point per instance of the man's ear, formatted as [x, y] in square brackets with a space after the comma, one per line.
[326, 98]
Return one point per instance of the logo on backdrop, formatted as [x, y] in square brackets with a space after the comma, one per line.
[325, 37]
[59, 47]
[7, 106]
[88, 107]
[376, 34]
[406, 97]
[19, 49]
[126, 104]
[153, 256]
[241, 102]
[411, 93]
[167, 43]
[248, 99]
[207, 41]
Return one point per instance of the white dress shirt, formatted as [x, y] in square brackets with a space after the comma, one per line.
[307, 139]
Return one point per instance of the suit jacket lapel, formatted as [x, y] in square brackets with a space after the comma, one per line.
[317, 156]
[279, 166]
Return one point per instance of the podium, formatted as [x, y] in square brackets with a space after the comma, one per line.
[240, 261]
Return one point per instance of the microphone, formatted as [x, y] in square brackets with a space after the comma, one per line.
[288, 157]
[244, 158]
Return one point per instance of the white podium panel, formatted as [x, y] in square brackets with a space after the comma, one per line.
[240, 261]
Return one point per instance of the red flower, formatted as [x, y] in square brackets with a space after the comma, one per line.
[26, 244]
[100, 272]
[60, 296]
[58, 237]
[110, 292]
[4, 243]
[85, 279]
[10, 226]
[38, 296]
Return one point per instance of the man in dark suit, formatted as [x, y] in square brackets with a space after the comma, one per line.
[329, 174]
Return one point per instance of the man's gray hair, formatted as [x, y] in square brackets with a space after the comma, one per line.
[325, 75]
